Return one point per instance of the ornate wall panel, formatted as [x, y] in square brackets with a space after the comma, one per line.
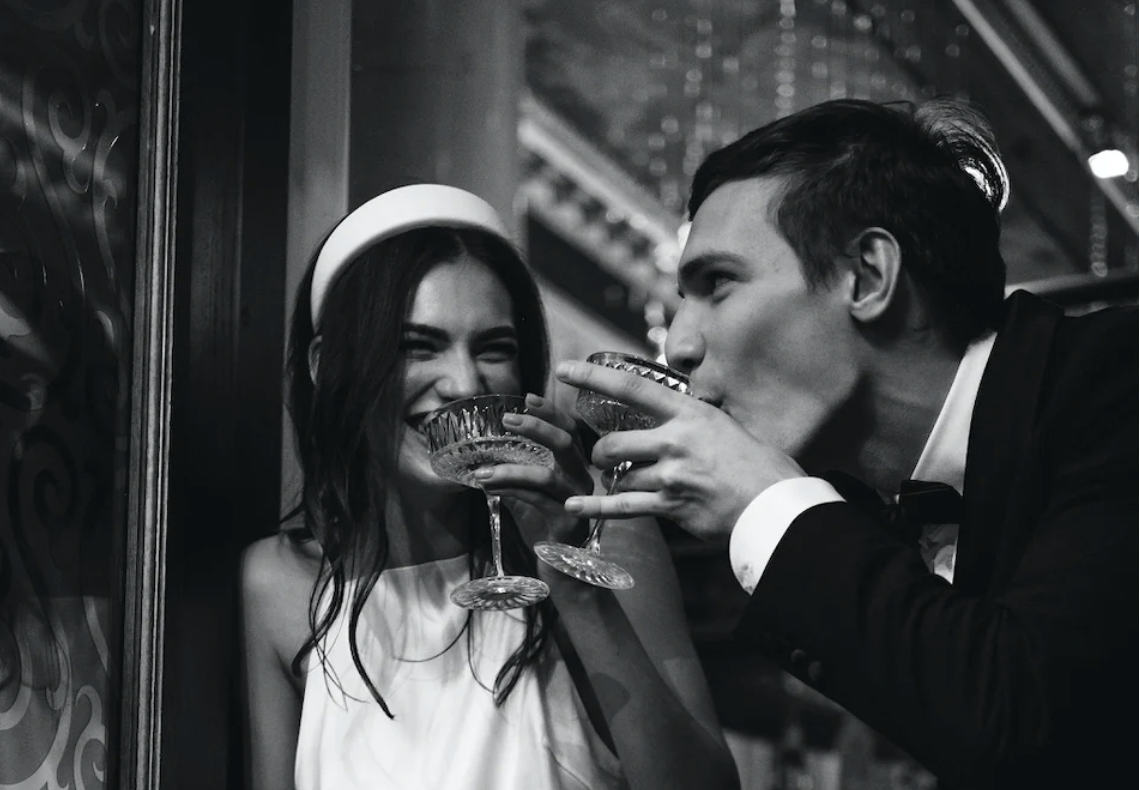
[69, 97]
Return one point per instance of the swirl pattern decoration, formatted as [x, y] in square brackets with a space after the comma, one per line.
[69, 108]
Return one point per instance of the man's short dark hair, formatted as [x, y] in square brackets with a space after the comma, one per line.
[929, 174]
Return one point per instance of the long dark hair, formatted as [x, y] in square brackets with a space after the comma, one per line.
[930, 174]
[348, 422]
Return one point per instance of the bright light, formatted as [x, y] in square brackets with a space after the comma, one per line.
[683, 233]
[1108, 163]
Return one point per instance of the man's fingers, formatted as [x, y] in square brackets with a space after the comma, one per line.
[621, 385]
[642, 477]
[621, 505]
[637, 446]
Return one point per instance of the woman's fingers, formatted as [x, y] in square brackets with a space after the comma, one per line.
[536, 428]
[545, 409]
[554, 483]
[547, 425]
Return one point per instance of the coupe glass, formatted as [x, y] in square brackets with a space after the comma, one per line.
[605, 414]
[465, 436]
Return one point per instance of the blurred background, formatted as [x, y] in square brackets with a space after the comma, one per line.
[622, 100]
[168, 168]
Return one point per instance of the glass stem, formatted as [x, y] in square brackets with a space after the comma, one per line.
[496, 533]
[594, 541]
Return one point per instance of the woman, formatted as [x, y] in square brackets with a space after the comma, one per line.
[360, 672]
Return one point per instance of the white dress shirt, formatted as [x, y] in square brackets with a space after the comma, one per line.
[943, 459]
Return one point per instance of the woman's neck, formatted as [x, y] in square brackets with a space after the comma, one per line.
[427, 526]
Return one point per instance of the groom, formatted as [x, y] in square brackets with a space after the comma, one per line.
[843, 320]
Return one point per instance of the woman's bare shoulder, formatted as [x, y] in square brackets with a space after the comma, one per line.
[279, 561]
[278, 574]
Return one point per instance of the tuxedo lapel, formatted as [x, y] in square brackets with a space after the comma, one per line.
[1003, 418]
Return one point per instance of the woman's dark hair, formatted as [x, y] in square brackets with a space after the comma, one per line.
[348, 423]
[931, 175]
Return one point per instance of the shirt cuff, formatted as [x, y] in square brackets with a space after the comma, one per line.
[766, 519]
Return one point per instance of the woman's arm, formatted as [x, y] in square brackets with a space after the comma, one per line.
[274, 601]
[634, 645]
[644, 669]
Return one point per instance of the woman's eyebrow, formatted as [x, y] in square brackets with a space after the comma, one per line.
[435, 333]
[496, 332]
[424, 329]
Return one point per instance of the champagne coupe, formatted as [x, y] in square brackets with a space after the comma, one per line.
[465, 436]
[605, 414]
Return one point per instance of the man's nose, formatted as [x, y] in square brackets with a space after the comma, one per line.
[684, 344]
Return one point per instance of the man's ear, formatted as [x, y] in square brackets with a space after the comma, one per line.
[875, 273]
[314, 357]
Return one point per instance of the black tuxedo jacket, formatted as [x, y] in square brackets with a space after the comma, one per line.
[1020, 673]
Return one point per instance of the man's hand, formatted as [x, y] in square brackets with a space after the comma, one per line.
[698, 468]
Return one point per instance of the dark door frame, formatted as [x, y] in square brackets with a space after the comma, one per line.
[144, 591]
[206, 396]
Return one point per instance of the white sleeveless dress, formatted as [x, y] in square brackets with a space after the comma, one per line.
[447, 733]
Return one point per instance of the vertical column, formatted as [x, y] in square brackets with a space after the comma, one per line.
[390, 92]
[318, 127]
[434, 96]
[318, 160]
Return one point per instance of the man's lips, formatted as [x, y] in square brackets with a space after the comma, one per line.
[715, 401]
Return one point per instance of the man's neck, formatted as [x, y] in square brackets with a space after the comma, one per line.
[903, 394]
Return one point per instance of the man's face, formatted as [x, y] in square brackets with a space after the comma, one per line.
[774, 354]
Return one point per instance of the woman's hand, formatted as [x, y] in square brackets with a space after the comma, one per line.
[536, 494]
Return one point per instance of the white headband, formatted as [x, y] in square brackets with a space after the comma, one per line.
[395, 211]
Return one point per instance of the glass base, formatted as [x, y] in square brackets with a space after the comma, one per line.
[584, 565]
[500, 592]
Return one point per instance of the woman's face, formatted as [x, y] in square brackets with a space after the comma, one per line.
[458, 340]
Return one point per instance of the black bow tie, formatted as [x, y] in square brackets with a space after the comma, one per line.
[919, 503]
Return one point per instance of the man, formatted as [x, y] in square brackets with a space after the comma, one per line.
[843, 317]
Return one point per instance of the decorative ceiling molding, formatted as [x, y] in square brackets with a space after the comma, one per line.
[1050, 78]
[1059, 58]
[579, 192]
